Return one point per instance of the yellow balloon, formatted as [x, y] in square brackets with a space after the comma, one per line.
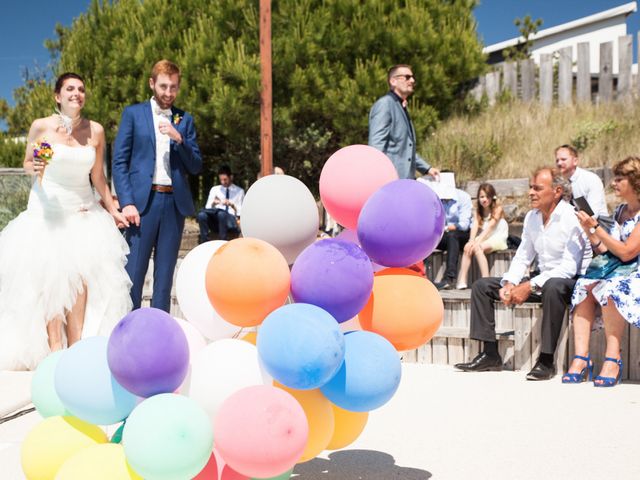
[54, 440]
[319, 416]
[251, 337]
[99, 462]
[348, 427]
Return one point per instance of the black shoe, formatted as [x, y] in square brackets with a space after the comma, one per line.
[482, 363]
[540, 371]
[446, 284]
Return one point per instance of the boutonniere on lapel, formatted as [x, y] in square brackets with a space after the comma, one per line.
[177, 118]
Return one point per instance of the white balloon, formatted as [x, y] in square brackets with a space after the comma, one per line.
[281, 210]
[192, 294]
[196, 342]
[221, 369]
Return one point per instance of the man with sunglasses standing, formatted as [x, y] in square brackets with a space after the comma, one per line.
[390, 128]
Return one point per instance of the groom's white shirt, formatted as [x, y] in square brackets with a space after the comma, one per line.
[161, 172]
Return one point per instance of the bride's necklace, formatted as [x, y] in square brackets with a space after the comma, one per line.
[68, 124]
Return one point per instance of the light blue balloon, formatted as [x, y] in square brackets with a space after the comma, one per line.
[86, 387]
[43, 390]
[301, 346]
[168, 437]
[369, 376]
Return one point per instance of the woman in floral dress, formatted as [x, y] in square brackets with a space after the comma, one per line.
[612, 281]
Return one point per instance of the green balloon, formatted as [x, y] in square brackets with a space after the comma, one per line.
[282, 476]
[43, 391]
[168, 437]
[117, 435]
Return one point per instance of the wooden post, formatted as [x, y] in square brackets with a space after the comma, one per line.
[605, 79]
[528, 79]
[546, 80]
[266, 124]
[510, 78]
[565, 76]
[625, 56]
[583, 86]
[492, 84]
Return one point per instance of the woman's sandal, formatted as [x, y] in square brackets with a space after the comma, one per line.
[585, 375]
[610, 381]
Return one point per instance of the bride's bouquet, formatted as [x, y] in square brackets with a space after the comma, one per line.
[44, 152]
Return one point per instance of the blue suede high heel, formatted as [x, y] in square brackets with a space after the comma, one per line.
[585, 375]
[610, 381]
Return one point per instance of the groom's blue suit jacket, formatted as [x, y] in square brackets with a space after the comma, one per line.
[134, 158]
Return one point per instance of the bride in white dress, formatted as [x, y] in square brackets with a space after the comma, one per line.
[62, 260]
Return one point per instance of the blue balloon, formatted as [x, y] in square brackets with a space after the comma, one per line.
[301, 346]
[335, 275]
[86, 387]
[43, 390]
[369, 376]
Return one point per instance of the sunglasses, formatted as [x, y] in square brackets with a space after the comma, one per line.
[407, 77]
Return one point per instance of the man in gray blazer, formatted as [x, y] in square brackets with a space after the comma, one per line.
[390, 128]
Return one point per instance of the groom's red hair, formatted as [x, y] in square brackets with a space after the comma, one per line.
[166, 67]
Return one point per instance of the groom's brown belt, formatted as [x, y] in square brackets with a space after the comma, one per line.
[162, 188]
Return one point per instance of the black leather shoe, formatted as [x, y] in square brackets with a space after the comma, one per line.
[482, 363]
[541, 372]
[445, 284]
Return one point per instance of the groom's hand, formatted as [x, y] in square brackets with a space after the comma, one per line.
[168, 129]
[130, 212]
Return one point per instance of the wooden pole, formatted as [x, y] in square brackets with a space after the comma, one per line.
[266, 124]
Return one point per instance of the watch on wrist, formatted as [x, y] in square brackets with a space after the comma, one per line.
[592, 230]
[534, 288]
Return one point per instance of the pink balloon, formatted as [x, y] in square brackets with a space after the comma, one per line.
[261, 431]
[350, 177]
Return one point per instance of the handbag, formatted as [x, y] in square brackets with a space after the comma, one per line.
[607, 265]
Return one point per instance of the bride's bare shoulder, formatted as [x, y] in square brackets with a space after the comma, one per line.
[43, 125]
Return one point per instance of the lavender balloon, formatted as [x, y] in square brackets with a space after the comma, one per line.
[334, 275]
[401, 223]
[148, 352]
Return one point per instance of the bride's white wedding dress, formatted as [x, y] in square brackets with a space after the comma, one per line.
[64, 239]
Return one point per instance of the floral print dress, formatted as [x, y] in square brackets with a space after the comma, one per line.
[623, 290]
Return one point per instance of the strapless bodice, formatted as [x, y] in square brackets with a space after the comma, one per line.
[65, 185]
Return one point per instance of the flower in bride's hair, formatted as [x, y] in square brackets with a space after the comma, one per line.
[43, 151]
[177, 118]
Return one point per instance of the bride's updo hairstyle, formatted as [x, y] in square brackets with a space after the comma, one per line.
[63, 78]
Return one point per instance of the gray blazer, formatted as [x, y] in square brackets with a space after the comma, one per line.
[391, 132]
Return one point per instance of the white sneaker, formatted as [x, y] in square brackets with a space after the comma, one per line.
[461, 286]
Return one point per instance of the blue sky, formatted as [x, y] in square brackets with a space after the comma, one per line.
[26, 24]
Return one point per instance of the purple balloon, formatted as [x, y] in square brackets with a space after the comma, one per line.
[334, 275]
[148, 352]
[401, 223]
[352, 236]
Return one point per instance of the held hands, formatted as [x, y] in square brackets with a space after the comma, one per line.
[121, 220]
[514, 294]
[168, 129]
[131, 215]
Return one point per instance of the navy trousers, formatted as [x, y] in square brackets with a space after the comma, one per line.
[160, 231]
[216, 219]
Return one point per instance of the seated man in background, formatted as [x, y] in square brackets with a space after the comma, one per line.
[222, 210]
[553, 234]
[458, 211]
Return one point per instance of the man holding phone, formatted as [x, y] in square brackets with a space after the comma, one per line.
[584, 184]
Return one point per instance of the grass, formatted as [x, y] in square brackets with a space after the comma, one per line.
[15, 194]
[512, 139]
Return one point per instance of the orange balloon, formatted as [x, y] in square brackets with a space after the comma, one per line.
[404, 308]
[348, 427]
[319, 414]
[246, 280]
[251, 337]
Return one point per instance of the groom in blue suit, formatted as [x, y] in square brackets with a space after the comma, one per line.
[155, 151]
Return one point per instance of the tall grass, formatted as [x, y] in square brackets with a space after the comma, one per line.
[513, 138]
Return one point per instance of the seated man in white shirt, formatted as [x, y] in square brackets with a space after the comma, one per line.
[223, 206]
[584, 183]
[553, 234]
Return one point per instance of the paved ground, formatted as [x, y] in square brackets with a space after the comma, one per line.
[444, 424]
